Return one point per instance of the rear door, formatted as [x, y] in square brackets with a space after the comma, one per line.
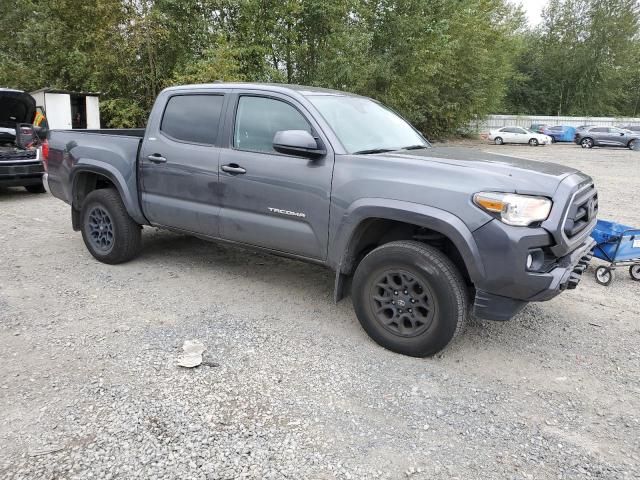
[179, 162]
[270, 199]
[516, 135]
[507, 135]
[617, 137]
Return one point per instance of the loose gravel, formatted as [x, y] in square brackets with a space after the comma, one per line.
[290, 386]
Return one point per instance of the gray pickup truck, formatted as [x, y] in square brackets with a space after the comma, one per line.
[420, 236]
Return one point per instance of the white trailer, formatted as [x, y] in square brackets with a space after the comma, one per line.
[66, 110]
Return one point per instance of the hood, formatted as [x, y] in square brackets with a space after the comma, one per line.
[486, 170]
[16, 107]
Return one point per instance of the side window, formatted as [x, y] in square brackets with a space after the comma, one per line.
[192, 118]
[519, 130]
[259, 118]
[599, 130]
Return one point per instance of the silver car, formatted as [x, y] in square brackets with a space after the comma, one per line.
[607, 137]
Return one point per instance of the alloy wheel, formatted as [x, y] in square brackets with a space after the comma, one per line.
[403, 304]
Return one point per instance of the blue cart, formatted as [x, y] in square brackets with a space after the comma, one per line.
[619, 245]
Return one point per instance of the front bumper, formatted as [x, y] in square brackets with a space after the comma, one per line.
[565, 276]
[507, 284]
[21, 171]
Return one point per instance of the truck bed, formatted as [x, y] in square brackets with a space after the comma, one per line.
[84, 150]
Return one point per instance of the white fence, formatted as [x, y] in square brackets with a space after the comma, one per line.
[492, 122]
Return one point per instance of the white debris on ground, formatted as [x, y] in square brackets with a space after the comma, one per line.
[193, 351]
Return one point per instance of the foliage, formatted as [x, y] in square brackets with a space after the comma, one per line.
[581, 61]
[440, 63]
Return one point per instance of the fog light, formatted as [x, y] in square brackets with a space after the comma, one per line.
[529, 262]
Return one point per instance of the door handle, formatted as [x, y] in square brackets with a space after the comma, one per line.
[157, 158]
[233, 168]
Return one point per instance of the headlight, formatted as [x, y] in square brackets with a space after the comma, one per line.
[512, 209]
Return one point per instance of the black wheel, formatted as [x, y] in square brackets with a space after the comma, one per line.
[410, 298]
[39, 188]
[108, 231]
[604, 275]
[634, 271]
[498, 141]
[533, 142]
[586, 143]
[634, 145]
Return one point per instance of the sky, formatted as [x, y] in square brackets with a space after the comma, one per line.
[533, 9]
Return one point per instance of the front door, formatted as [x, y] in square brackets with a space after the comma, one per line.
[179, 165]
[269, 199]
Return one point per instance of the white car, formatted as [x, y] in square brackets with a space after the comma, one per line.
[518, 135]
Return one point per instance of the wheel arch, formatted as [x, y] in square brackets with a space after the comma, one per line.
[86, 178]
[367, 226]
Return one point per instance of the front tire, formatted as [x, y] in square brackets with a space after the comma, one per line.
[39, 188]
[533, 142]
[604, 276]
[108, 231]
[586, 143]
[634, 272]
[410, 298]
[634, 145]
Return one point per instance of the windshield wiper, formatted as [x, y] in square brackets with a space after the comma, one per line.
[374, 150]
[414, 147]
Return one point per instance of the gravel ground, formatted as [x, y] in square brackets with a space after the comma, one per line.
[292, 386]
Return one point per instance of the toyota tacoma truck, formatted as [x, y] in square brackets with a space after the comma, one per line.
[20, 163]
[421, 237]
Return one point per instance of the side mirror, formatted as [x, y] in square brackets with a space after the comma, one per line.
[297, 142]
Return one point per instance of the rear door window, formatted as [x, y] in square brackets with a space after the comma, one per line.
[193, 118]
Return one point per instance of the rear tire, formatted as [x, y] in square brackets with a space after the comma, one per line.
[634, 272]
[498, 141]
[410, 298]
[39, 188]
[108, 231]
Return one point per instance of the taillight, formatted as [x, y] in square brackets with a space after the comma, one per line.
[44, 150]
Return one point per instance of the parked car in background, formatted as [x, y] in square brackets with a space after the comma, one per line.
[332, 178]
[538, 127]
[518, 135]
[560, 133]
[20, 163]
[607, 137]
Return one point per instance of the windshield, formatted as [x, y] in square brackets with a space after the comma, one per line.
[364, 126]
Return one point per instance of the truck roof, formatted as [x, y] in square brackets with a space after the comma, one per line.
[270, 87]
